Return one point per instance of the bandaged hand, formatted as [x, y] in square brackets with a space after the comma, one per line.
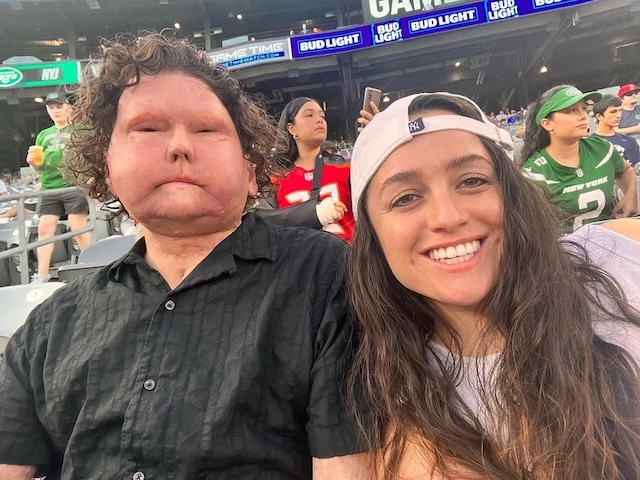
[330, 211]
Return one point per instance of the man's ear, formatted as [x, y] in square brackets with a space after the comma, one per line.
[107, 178]
[252, 182]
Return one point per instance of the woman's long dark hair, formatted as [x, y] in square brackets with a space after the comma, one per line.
[566, 404]
[287, 116]
[536, 137]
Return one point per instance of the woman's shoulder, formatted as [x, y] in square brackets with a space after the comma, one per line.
[530, 163]
[338, 169]
[419, 463]
[597, 143]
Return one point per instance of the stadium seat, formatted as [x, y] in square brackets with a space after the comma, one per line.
[97, 255]
[16, 302]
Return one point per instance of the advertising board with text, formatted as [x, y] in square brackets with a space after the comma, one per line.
[422, 24]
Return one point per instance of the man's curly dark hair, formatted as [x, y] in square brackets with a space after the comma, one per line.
[119, 65]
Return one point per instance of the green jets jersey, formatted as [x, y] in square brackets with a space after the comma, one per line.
[53, 141]
[586, 192]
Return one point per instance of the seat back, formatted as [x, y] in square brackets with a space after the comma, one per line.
[96, 256]
[62, 250]
[9, 274]
[107, 250]
[16, 302]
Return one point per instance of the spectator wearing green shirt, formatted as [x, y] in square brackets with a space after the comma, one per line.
[51, 208]
[579, 171]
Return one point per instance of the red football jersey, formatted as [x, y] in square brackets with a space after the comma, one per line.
[295, 188]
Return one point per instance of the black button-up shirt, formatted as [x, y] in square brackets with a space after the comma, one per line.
[236, 373]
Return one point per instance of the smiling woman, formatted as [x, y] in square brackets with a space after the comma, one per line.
[482, 352]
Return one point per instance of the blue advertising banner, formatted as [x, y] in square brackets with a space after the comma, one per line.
[330, 43]
[254, 53]
[426, 23]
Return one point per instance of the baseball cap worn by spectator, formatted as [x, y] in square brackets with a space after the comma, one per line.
[55, 97]
[628, 89]
[391, 128]
[563, 99]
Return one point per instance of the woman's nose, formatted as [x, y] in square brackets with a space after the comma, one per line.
[444, 212]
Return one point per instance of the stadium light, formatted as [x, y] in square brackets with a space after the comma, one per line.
[544, 69]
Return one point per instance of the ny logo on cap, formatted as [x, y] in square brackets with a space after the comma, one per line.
[416, 126]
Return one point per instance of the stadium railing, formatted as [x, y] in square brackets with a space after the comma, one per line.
[24, 246]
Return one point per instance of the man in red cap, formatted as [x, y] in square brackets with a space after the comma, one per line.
[630, 121]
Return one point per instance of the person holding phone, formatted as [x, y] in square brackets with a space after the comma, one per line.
[370, 106]
[303, 121]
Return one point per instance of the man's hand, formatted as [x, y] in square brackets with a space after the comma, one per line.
[34, 160]
[366, 117]
[17, 472]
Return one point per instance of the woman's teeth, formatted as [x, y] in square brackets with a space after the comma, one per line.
[456, 254]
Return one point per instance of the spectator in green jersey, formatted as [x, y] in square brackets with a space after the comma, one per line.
[51, 208]
[579, 171]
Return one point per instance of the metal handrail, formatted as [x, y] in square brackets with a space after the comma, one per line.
[23, 245]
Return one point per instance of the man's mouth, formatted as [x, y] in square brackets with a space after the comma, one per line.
[455, 253]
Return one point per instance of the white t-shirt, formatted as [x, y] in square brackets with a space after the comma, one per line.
[614, 253]
[3, 188]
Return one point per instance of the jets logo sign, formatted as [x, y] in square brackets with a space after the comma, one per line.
[9, 76]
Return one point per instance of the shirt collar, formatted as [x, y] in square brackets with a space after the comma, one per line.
[255, 238]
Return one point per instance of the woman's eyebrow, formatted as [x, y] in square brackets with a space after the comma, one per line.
[404, 176]
[464, 160]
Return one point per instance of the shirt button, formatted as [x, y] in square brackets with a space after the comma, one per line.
[170, 305]
[149, 384]
[138, 476]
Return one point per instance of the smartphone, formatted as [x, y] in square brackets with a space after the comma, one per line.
[371, 95]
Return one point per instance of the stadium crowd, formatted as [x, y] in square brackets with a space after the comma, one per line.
[456, 299]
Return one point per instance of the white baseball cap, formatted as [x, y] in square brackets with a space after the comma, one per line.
[391, 128]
